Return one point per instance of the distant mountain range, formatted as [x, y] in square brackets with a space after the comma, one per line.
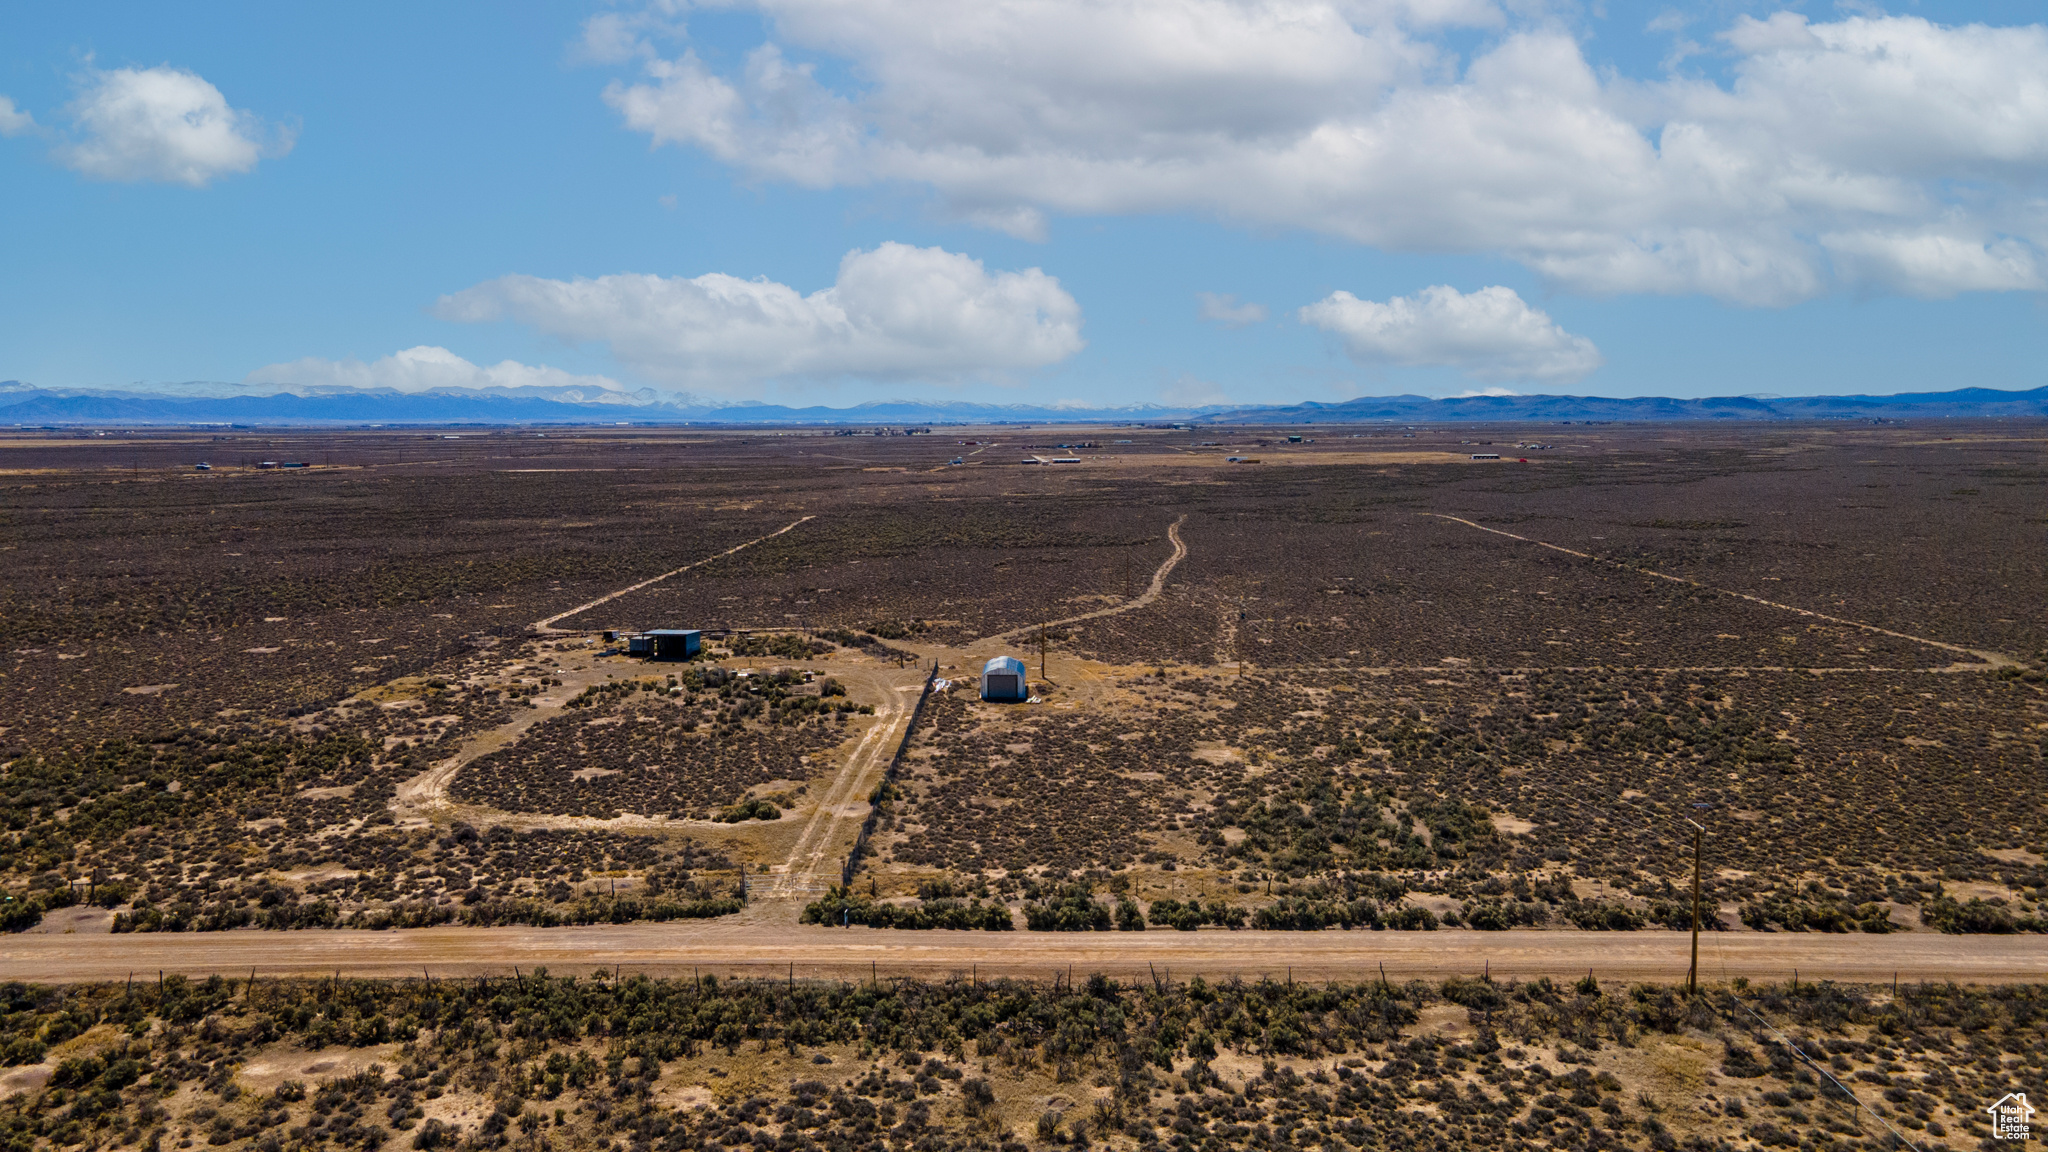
[25, 405]
[21, 405]
[1963, 403]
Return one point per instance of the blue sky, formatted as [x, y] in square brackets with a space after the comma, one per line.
[1429, 196]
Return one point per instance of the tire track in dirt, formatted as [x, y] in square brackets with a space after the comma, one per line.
[428, 791]
[868, 758]
[425, 795]
[547, 626]
[1150, 594]
[422, 795]
[1991, 659]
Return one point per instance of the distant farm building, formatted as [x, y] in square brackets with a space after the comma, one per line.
[1003, 678]
[667, 643]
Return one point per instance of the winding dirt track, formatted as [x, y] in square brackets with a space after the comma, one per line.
[772, 948]
[427, 793]
[1180, 552]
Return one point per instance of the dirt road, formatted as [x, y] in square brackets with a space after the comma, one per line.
[1991, 660]
[547, 626]
[1151, 592]
[828, 833]
[770, 949]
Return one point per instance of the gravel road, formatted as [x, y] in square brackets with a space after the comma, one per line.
[763, 949]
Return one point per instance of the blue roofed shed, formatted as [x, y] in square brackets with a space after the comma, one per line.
[1004, 678]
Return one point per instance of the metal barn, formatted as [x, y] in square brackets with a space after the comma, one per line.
[673, 643]
[1004, 678]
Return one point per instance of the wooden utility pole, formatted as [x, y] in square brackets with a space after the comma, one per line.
[1238, 636]
[1692, 974]
[1041, 651]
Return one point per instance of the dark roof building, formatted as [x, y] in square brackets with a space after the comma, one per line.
[673, 643]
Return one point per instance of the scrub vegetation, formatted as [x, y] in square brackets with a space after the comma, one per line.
[702, 1063]
[1386, 687]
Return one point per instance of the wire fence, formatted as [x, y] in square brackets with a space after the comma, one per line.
[867, 826]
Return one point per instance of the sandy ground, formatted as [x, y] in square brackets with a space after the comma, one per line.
[772, 948]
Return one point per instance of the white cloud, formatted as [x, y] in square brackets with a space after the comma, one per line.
[610, 38]
[1359, 119]
[618, 36]
[166, 125]
[1225, 310]
[894, 312]
[1491, 334]
[13, 121]
[428, 369]
[1933, 263]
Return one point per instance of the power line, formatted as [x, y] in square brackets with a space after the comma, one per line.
[1825, 1074]
[1722, 957]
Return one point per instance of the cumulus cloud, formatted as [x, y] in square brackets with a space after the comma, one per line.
[166, 125]
[14, 121]
[1924, 144]
[428, 369]
[610, 38]
[1491, 334]
[1225, 310]
[894, 312]
[1934, 263]
[620, 35]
